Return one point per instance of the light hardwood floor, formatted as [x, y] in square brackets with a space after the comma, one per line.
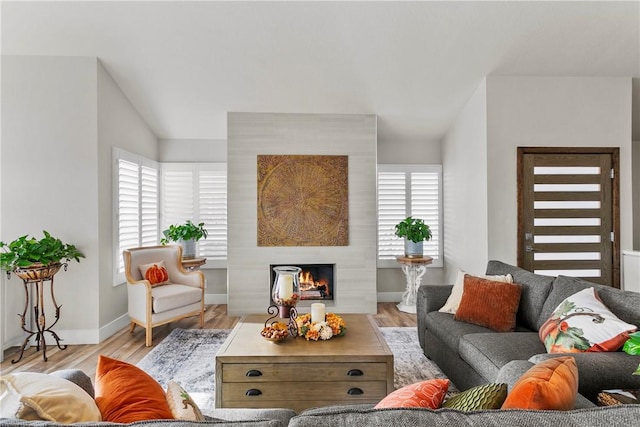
[131, 348]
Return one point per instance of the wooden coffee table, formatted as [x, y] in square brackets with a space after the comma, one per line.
[252, 372]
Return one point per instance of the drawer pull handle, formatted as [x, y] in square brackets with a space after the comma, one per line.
[253, 392]
[355, 373]
[355, 391]
[254, 373]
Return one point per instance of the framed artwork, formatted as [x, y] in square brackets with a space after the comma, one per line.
[303, 200]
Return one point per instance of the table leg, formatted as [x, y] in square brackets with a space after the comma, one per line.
[413, 274]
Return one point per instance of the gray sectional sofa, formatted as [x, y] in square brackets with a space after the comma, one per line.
[471, 355]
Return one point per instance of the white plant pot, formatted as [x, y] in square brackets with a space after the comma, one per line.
[413, 249]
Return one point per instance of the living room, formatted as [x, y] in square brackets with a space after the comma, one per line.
[70, 95]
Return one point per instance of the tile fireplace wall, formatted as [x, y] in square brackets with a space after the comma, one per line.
[251, 134]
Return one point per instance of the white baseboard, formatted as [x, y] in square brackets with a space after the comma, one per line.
[113, 327]
[389, 296]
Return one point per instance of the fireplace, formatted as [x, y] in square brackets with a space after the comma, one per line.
[316, 281]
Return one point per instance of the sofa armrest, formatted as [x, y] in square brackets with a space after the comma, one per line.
[430, 298]
[599, 371]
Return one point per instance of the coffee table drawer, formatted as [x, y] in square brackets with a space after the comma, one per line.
[344, 391]
[265, 372]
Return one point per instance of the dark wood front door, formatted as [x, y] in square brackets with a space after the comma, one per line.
[568, 212]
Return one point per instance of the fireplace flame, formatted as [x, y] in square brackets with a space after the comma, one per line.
[309, 284]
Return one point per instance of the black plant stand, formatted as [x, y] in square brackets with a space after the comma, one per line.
[39, 276]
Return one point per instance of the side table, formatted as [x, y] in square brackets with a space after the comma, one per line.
[191, 264]
[414, 269]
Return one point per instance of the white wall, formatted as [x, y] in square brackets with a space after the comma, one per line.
[49, 181]
[464, 158]
[119, 125]
[250, 134]
[551, 112]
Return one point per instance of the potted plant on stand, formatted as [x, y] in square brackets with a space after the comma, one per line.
[32, 259]
[187, 235]
[415, 232]
[36, 262]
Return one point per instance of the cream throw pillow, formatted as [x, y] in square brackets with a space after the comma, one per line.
[36, 396]
[181, 404]
[451, 306]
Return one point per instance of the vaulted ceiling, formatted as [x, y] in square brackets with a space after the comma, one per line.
[184, 65]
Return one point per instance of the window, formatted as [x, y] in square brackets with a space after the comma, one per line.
[136, 208]
[198, 191]
[405, 190]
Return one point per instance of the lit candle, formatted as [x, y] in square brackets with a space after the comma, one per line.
[285, 285]
[317, 312]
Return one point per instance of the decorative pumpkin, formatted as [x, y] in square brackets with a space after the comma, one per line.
[156, 275]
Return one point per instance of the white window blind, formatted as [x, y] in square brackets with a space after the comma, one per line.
[405, 190]
[136, 210]
[198, 192]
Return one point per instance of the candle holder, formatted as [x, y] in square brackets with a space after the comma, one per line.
[285, 295]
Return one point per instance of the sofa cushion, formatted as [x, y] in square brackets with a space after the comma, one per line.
[486, 396]
[489, 303]
[168, 297]
[449, 330]
[38, 396]
[125, 393]
[550, 385]
[623, 303]
[488, 352]
[601, 371]
[535, 289]
[583, 323]
[621, 415]
[424, 394]
[453, 302]
[562, 288]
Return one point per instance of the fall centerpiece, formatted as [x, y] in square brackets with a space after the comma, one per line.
[332, 326]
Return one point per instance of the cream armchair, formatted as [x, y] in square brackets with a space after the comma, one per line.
[151, 306]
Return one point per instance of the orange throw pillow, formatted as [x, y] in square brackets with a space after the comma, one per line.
[488, 303]
[552, 385]
[126, 394]
[425, 394]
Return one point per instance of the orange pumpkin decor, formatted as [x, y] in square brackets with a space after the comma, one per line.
[156, 275]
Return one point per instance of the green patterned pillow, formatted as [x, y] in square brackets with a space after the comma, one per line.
[487, 396]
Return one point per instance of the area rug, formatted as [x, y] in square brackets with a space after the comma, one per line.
[186, 356]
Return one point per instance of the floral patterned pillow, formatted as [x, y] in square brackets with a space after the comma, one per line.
[583, 323]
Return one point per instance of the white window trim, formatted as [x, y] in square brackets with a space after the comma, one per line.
[118, 277]
[407, 168]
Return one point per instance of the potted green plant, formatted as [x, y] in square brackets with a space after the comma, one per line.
[186, 234]
[415, 232]
[30, 258]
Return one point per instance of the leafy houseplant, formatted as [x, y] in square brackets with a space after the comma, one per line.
[414, 231]
[24, 253]
[186, 234]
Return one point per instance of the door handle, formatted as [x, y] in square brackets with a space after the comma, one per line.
[530, 248]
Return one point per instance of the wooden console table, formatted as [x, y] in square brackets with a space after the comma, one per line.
[414, 269]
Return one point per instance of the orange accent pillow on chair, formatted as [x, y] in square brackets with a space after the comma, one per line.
[125, 393]
[552, 385]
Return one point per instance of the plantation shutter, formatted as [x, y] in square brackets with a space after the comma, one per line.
[213, 212]
[128, 208]
[391, 210]
[149, 206]
[405, 190]
[425, 204]
[197, 192]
